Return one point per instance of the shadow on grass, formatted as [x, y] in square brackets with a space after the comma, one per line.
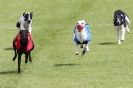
[107, 43]
[69, 64]
[9, 48]
[8, 72]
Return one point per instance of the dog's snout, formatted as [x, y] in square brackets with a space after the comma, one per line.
[80, 27]
[29, 21]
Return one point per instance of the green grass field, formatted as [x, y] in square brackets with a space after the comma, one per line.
[55, 65]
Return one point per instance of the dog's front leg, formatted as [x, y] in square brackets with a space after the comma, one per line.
[123, 33]
[77, 49]
[119, 35]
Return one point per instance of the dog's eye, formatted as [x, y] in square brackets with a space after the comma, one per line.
[26, 16]
[77, 23]
[82, 23]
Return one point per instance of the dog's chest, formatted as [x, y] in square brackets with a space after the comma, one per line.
[118, 27]
[82, 36]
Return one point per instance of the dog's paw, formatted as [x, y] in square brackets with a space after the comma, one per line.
[119, 43]
[13, 59]
[128, 32]
[77, 53]
[26, 61]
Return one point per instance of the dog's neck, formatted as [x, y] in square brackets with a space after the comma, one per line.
[26, 25]
[81, 35]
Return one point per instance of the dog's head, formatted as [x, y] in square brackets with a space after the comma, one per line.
[80, 25]
[28, 17]
[118, 20]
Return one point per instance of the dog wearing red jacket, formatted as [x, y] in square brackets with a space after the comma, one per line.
[23, 44]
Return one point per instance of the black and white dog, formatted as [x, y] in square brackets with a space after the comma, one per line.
[25, 22]
[121, 22]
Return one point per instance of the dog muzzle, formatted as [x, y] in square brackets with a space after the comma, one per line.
[28, 21]
[80, 28]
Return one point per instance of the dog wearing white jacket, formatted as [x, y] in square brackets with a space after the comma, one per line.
[82, 36]
[25, 22]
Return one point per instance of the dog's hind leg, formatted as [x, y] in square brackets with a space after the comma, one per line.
[14, 51]
[15, 55]
[127, 29]
[19, 62]
[127, 20]
[81, 45]
[86, 49]
[127, 23]
[30, 59]
[26, 58]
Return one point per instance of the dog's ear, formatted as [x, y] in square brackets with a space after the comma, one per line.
[24, 14]
[31, 13]
[18, 25]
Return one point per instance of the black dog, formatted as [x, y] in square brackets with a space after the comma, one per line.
[23, 44]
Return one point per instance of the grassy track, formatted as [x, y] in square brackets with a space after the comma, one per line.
[55, 65]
